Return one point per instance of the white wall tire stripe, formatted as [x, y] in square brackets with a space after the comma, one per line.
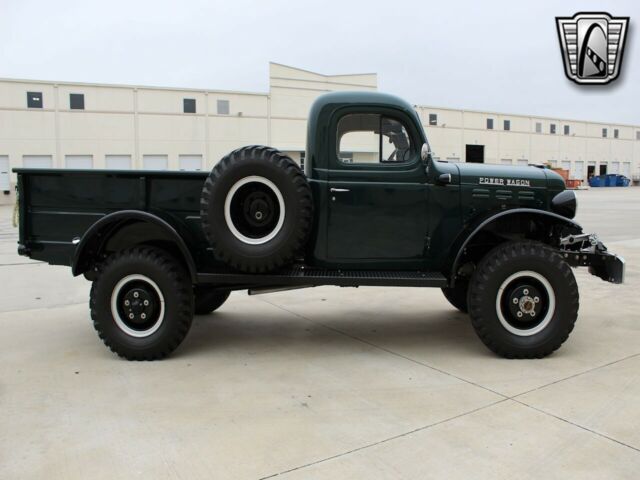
[550, 310]
[227, 210]
[116, 314]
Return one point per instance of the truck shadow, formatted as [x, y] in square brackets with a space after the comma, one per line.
[326, 334]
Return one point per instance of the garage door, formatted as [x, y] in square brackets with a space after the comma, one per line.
[506, 161]
[78, 161]
[4, 173]
[578, 170]
[117, 162]
[37, 161]
[155, 162]
[615, 167]
[523, 162]
[566, 165]
[626, 169]
[190, 162]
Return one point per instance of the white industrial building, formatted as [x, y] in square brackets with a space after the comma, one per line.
[80, 125]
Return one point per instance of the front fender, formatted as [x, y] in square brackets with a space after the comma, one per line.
[469, 233]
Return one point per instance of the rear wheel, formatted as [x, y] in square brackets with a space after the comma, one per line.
[523, 300]
[142, 303]
[207, 300]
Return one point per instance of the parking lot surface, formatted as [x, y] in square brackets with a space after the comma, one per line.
[322, 383]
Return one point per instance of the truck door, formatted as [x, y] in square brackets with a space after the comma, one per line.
[377, 192]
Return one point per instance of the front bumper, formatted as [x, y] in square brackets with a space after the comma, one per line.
[587, 251]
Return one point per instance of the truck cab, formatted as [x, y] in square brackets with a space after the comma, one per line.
[384, 202]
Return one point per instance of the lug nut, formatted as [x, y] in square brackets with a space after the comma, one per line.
[519, 314]
[536, 299]
[515, 300]
[127, 302]
[136, 294]
[131, 315]
[526, 291]
[146, 303]
[143, 316]
[532, 313]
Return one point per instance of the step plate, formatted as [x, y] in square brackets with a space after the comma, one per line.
[300, 276]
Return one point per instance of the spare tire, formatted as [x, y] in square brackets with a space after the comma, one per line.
[256, 209]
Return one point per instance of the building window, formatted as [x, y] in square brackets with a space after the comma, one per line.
[538, 127]
[302, 157]
[507, 124]
[552, 128]
[223, 107]
[638, 135]
[34, 99]
[616, 132]
[189, 105]
[76, 101]
[604, 133]
[489, 123]
[433, 119]
[566, 129]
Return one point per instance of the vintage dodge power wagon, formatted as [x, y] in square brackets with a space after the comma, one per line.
[371, 208]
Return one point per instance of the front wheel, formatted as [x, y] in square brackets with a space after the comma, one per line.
[142, 303]
[523, 300]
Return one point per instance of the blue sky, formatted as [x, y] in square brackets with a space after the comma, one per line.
[489, 55]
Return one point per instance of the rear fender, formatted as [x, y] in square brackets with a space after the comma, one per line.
[107, 230]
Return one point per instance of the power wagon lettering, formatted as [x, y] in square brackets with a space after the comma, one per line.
[510, 182]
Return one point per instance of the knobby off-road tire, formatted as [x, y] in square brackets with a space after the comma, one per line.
[457, 296]
[207, 300]
[523, 300]
[142, 303]
[256, 209]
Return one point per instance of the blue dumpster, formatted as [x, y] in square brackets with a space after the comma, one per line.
[622, 181]
[596, 181]
[611, 180]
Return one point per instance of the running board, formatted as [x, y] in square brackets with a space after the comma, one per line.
[314, 277]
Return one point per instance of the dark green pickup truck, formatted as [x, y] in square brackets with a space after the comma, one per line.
[372, 208]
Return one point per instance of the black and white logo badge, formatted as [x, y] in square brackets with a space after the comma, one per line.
[592, 45]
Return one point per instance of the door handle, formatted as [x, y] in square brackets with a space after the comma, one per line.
[339, 190]
[444, 178]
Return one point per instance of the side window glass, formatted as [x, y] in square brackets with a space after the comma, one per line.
[373, 139]
[395, 141]
[359, 139]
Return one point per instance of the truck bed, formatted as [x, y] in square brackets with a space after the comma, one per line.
[57, 206]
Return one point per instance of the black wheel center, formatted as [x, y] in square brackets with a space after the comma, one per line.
[525, 303]
[138, 306]
[255, 210]
[258, 209]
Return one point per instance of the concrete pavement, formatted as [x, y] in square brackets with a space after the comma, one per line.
[322, 383]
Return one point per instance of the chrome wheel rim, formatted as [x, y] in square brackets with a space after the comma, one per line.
[254, 210]
[525, 303]
[137, 306]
